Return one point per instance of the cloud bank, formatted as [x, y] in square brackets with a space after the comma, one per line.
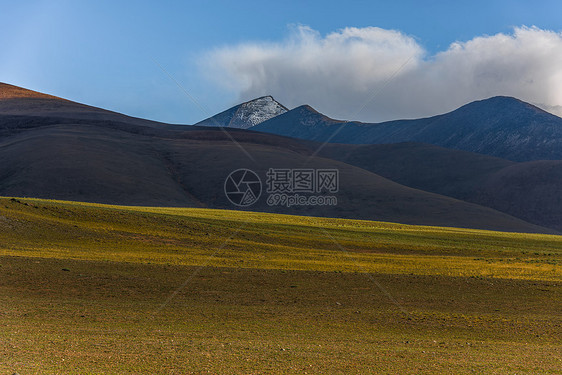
[374, 74]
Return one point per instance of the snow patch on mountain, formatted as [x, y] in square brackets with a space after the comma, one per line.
[255, 112]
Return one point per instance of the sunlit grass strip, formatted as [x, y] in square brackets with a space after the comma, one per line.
[295, 259]
[185, 236]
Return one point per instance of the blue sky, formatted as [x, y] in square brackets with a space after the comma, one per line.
[106, 53]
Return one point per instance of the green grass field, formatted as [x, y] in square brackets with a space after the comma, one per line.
[90, 289]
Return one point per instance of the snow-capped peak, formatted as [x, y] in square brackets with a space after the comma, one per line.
[256, 111]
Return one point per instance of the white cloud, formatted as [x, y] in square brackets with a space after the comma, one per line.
[373, 74]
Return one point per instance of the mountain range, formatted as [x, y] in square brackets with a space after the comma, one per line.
[58, 149]
[499, 126]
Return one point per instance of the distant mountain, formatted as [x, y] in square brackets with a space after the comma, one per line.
[500, 126]
[528, 190]
[117, 159]
[247, 115]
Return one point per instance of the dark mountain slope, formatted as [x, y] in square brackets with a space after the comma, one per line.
[303, 122]
[530, 190]
[87, 164]
[432, 168]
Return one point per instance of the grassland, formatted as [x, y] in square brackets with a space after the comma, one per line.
[95, 289]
